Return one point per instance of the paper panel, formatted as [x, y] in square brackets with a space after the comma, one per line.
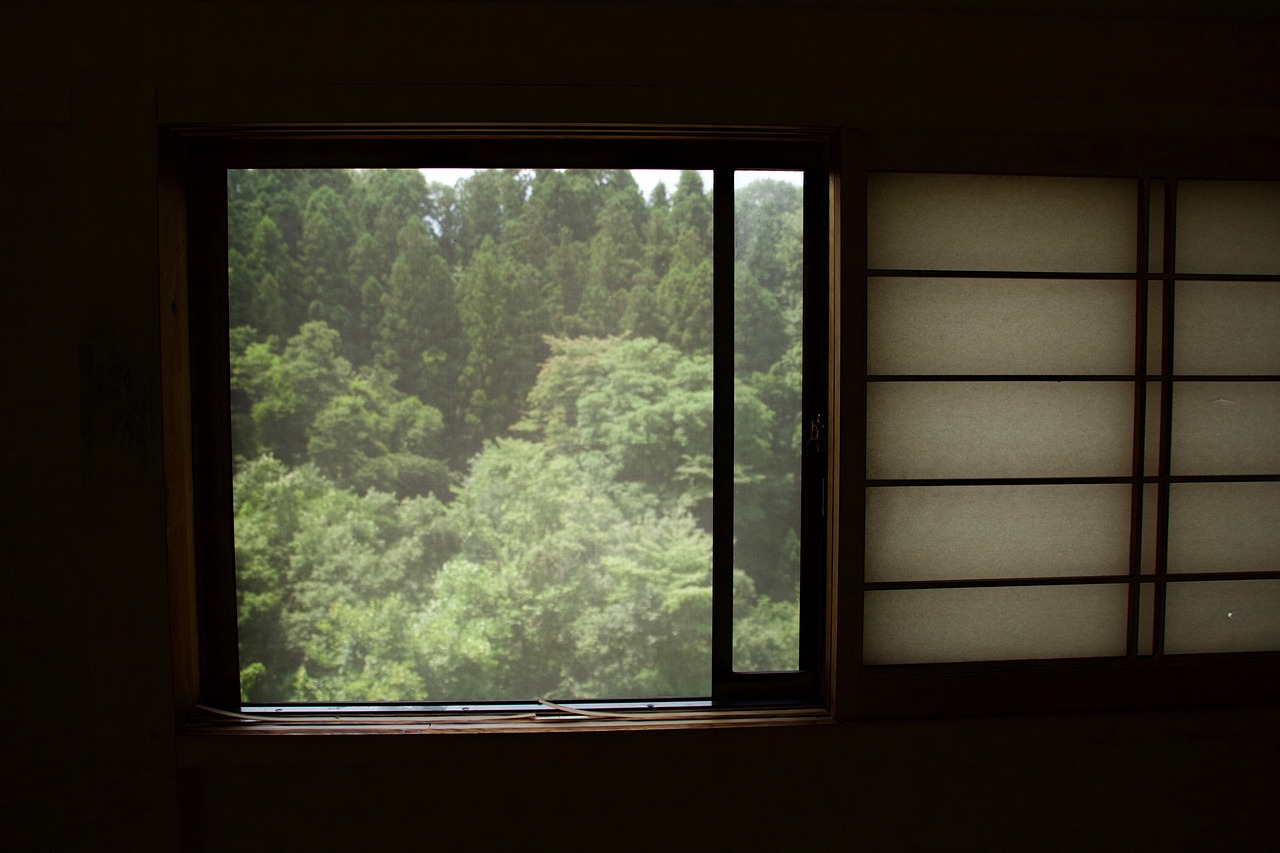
[1229, 327]
[999, 429]
[994, 623]
[1230, 227]
[941, 532]
[1002, 326]
[1224, 527]
[1000, 222]
[1226, 428]
[1222, 616]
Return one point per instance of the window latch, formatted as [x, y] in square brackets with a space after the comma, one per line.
[817, 436]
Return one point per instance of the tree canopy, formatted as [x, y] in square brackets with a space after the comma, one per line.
[472, 432]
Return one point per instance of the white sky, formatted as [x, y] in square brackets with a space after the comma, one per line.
[647, 179]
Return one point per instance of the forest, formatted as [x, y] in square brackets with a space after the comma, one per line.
[472, 430]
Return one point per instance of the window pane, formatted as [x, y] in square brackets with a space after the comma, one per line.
[992, 222]
[1230, 227]
[1224, 527]
[998, 429]
[994, 623]
[768, 358]
[1222, 616]
[472, 417]
[1002, 326]
[936, 533]
[1226, 428]
[1227, 327]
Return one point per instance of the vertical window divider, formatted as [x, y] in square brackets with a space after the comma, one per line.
[1141, 368]
[722, 253]
[1166, 416]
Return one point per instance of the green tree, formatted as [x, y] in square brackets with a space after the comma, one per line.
[642, 403]
[691, 209]
[659, 232]
[571, 199]
[684, 296]
[374, 437]
[419, 334]
[503, 320]
[615, 258]
[368, 652]
[486, 202]
[766, 633]
[642, 317]
[760, 331]
[388, 200]
[313, 561]
[565, 587]
[567, 273]
[277, 306]
[328, 235]
[290, 389]
[769, 241]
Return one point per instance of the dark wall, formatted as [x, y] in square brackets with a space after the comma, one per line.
[90, 758]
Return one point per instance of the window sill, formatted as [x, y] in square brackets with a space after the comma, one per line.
[209, 740]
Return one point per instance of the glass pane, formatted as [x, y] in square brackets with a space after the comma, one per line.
[1227, 327]
[1222, 616]
[1224, 527]
[768, 356]
[1002, 326]
[472, 420]
[1230, 227]
[999, 429]
[995, 623]
[995, 222]
[941, 532]
[1226, 428]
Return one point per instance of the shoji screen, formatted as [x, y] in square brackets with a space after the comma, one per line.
[1041, 483]
[1222, 559]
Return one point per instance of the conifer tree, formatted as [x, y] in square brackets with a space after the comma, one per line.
[615, 253]
[503, 321]
[659, 234]
[487, 201]
[418, 333]
[691, 209]
[685, 295]
[328, 234]
[269, 255]
[389, 199]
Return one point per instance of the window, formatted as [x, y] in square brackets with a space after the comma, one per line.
[482, 422]
[1061, 364]
[1073, 467]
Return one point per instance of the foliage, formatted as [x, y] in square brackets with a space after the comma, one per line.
[472, 430]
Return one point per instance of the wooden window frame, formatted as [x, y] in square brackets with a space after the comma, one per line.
[196, 404]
